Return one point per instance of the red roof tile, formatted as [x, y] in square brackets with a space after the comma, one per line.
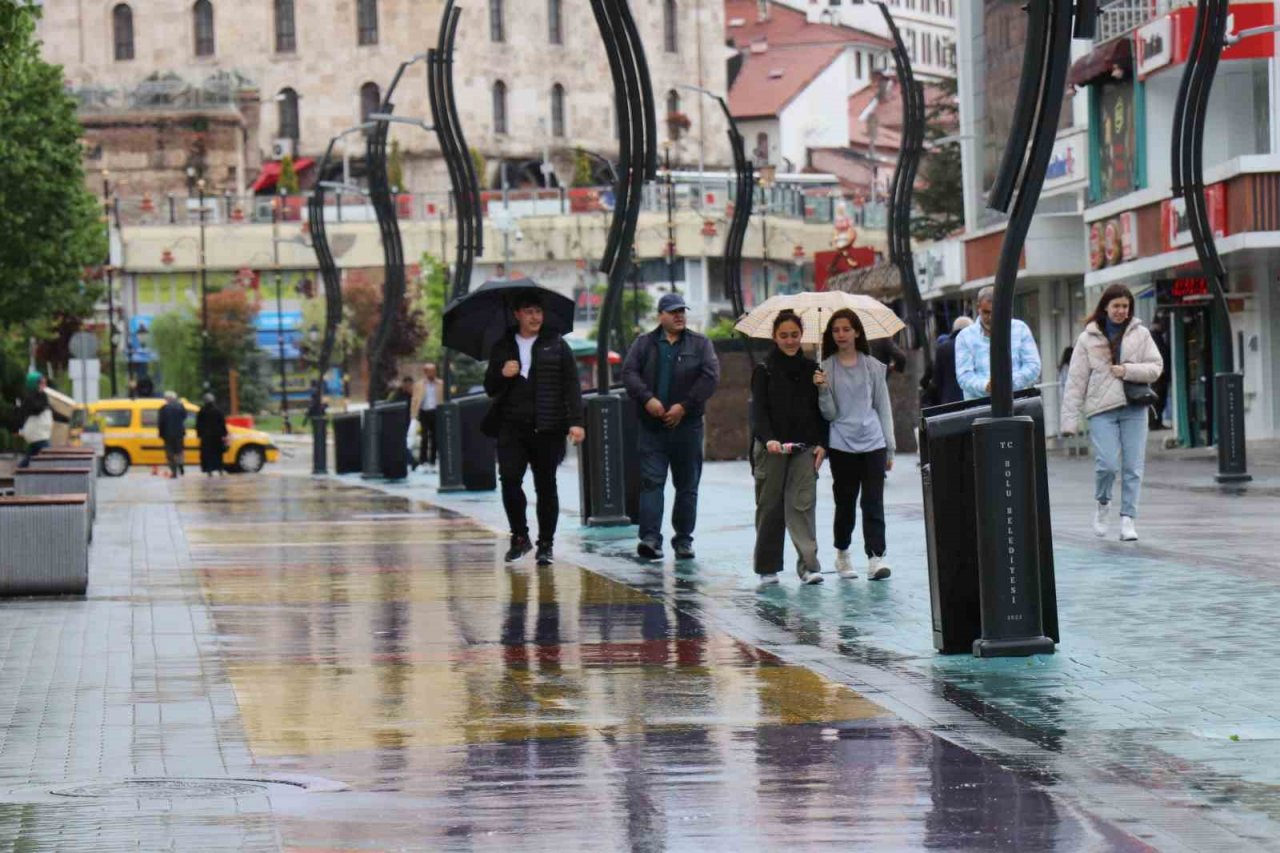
[788, 26]
[769, 81]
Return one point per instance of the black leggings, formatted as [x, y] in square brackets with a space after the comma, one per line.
[852, 473]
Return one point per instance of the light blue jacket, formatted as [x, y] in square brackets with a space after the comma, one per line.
[973, 360]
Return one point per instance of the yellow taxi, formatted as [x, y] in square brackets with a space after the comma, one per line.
[129, 436]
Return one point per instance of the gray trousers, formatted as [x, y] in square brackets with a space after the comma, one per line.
[786, 498]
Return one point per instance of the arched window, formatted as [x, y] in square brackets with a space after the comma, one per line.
[287, 102]
[557, 110]
[497, 21]
[286, 30]
[500, 107]
[367, 21]
[203, 14]
[370, 100]
[122, 31]
[555, 22]
[670, 33]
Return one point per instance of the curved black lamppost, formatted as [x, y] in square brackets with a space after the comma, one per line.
[1008, 499]
[1187, 166]
[605, 491]
[910, 150]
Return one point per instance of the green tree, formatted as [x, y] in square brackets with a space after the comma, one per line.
[175, 339]
[289, 183]
[940, 198]
[50, 221]
[395, 166]
[581, 169]
[433, 293]
[482, 167]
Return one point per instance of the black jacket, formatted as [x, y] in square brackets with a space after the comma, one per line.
[694, 376]
[784, 401]
[211, 424]
[946, 387]
[172, 421]
[557, 396]
[889, 354]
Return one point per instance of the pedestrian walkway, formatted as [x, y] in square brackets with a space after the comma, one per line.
[284, 663]
[1160, 705]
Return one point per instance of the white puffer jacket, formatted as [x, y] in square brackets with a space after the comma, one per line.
[1091, 388]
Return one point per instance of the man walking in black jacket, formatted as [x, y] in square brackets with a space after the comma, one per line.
[670, 372]
[533, 379]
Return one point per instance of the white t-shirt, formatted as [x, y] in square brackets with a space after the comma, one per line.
[525, 345]
[429, 396]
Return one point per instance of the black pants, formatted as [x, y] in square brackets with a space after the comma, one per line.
[427, 445]
[519, 449]
[852, 473]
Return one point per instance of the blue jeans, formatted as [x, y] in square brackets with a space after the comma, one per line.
[679, 449]
[1119, 446]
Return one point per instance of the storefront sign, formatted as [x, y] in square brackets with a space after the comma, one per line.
[1117, 160]
[1154, 44]
[1181, 291]
[1113, 241]
[1065, 161]
[1176, 230]
[1244, 16]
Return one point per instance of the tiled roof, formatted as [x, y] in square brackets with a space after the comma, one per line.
[888, 111]
[795, 53]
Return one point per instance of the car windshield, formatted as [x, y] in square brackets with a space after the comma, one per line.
[113, 417]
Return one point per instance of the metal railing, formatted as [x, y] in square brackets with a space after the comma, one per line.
[1118, 18]
[709, 199]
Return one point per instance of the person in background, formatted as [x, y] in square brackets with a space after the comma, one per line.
[171, 424]
[403, 393]
[946, 388]
[789, 438]
[1161, 385]
[427, 395]
[36, 417]
[973, 353]
[533, 380]
[670, 372]
[211, 429]
[854, 397]
[1114, 349]
[888, 353]
[146, 388]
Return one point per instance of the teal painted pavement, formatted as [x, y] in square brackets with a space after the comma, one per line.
[1161, 706]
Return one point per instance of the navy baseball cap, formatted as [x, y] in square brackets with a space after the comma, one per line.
[671, 302]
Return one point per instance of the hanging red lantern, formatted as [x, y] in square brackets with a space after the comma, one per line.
[237, 214]
[166, 257]
[148, 206]
[708, 228]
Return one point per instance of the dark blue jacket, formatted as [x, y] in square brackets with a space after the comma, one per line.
[693, 378]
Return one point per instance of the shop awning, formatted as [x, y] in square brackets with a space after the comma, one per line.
[271, 172]
[1102, 61]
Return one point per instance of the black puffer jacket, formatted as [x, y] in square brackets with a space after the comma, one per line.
[557, 396]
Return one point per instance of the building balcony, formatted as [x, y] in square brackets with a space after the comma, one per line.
[1118, 18]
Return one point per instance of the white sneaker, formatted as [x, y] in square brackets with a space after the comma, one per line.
[1101, 520]
[811, 577]
[878, 569]
[844, 565]
[769, 579]
[1127, 531]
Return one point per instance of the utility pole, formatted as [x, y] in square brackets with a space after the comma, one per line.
[275, 257]
[204, 298]
[671, 230]
[108, 274]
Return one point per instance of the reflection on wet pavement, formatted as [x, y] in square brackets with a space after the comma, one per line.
[468, 703]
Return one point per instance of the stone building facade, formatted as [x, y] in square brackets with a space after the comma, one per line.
[281, 69]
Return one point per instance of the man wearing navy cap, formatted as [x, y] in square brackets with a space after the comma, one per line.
[670, 372]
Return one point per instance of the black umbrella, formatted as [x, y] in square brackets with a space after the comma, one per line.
[475, 322]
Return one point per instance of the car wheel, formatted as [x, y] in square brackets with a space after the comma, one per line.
[115, 463]
[250, 459]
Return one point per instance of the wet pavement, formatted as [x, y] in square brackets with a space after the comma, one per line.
[378, 679]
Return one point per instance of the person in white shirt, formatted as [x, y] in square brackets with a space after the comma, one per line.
[427, 395]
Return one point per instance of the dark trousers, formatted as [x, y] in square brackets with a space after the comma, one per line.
[680, 450]
[519, 449]
[851, 474]
[173, 454]
[427, 445]
[33, 450]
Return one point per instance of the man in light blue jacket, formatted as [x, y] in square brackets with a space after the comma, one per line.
[973, 353]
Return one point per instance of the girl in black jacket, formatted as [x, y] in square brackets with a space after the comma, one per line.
[788, 447]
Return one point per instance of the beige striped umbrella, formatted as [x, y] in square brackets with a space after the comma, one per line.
[815, 309]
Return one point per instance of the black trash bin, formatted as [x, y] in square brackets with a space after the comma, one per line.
[346, 442]
[393, 431]
[630, 460]
[479, 451]
[951, 525]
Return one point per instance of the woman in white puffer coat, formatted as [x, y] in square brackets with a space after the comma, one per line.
[1114, 349]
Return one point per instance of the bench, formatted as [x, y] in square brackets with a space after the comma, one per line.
[44, 546]
[63, 480]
